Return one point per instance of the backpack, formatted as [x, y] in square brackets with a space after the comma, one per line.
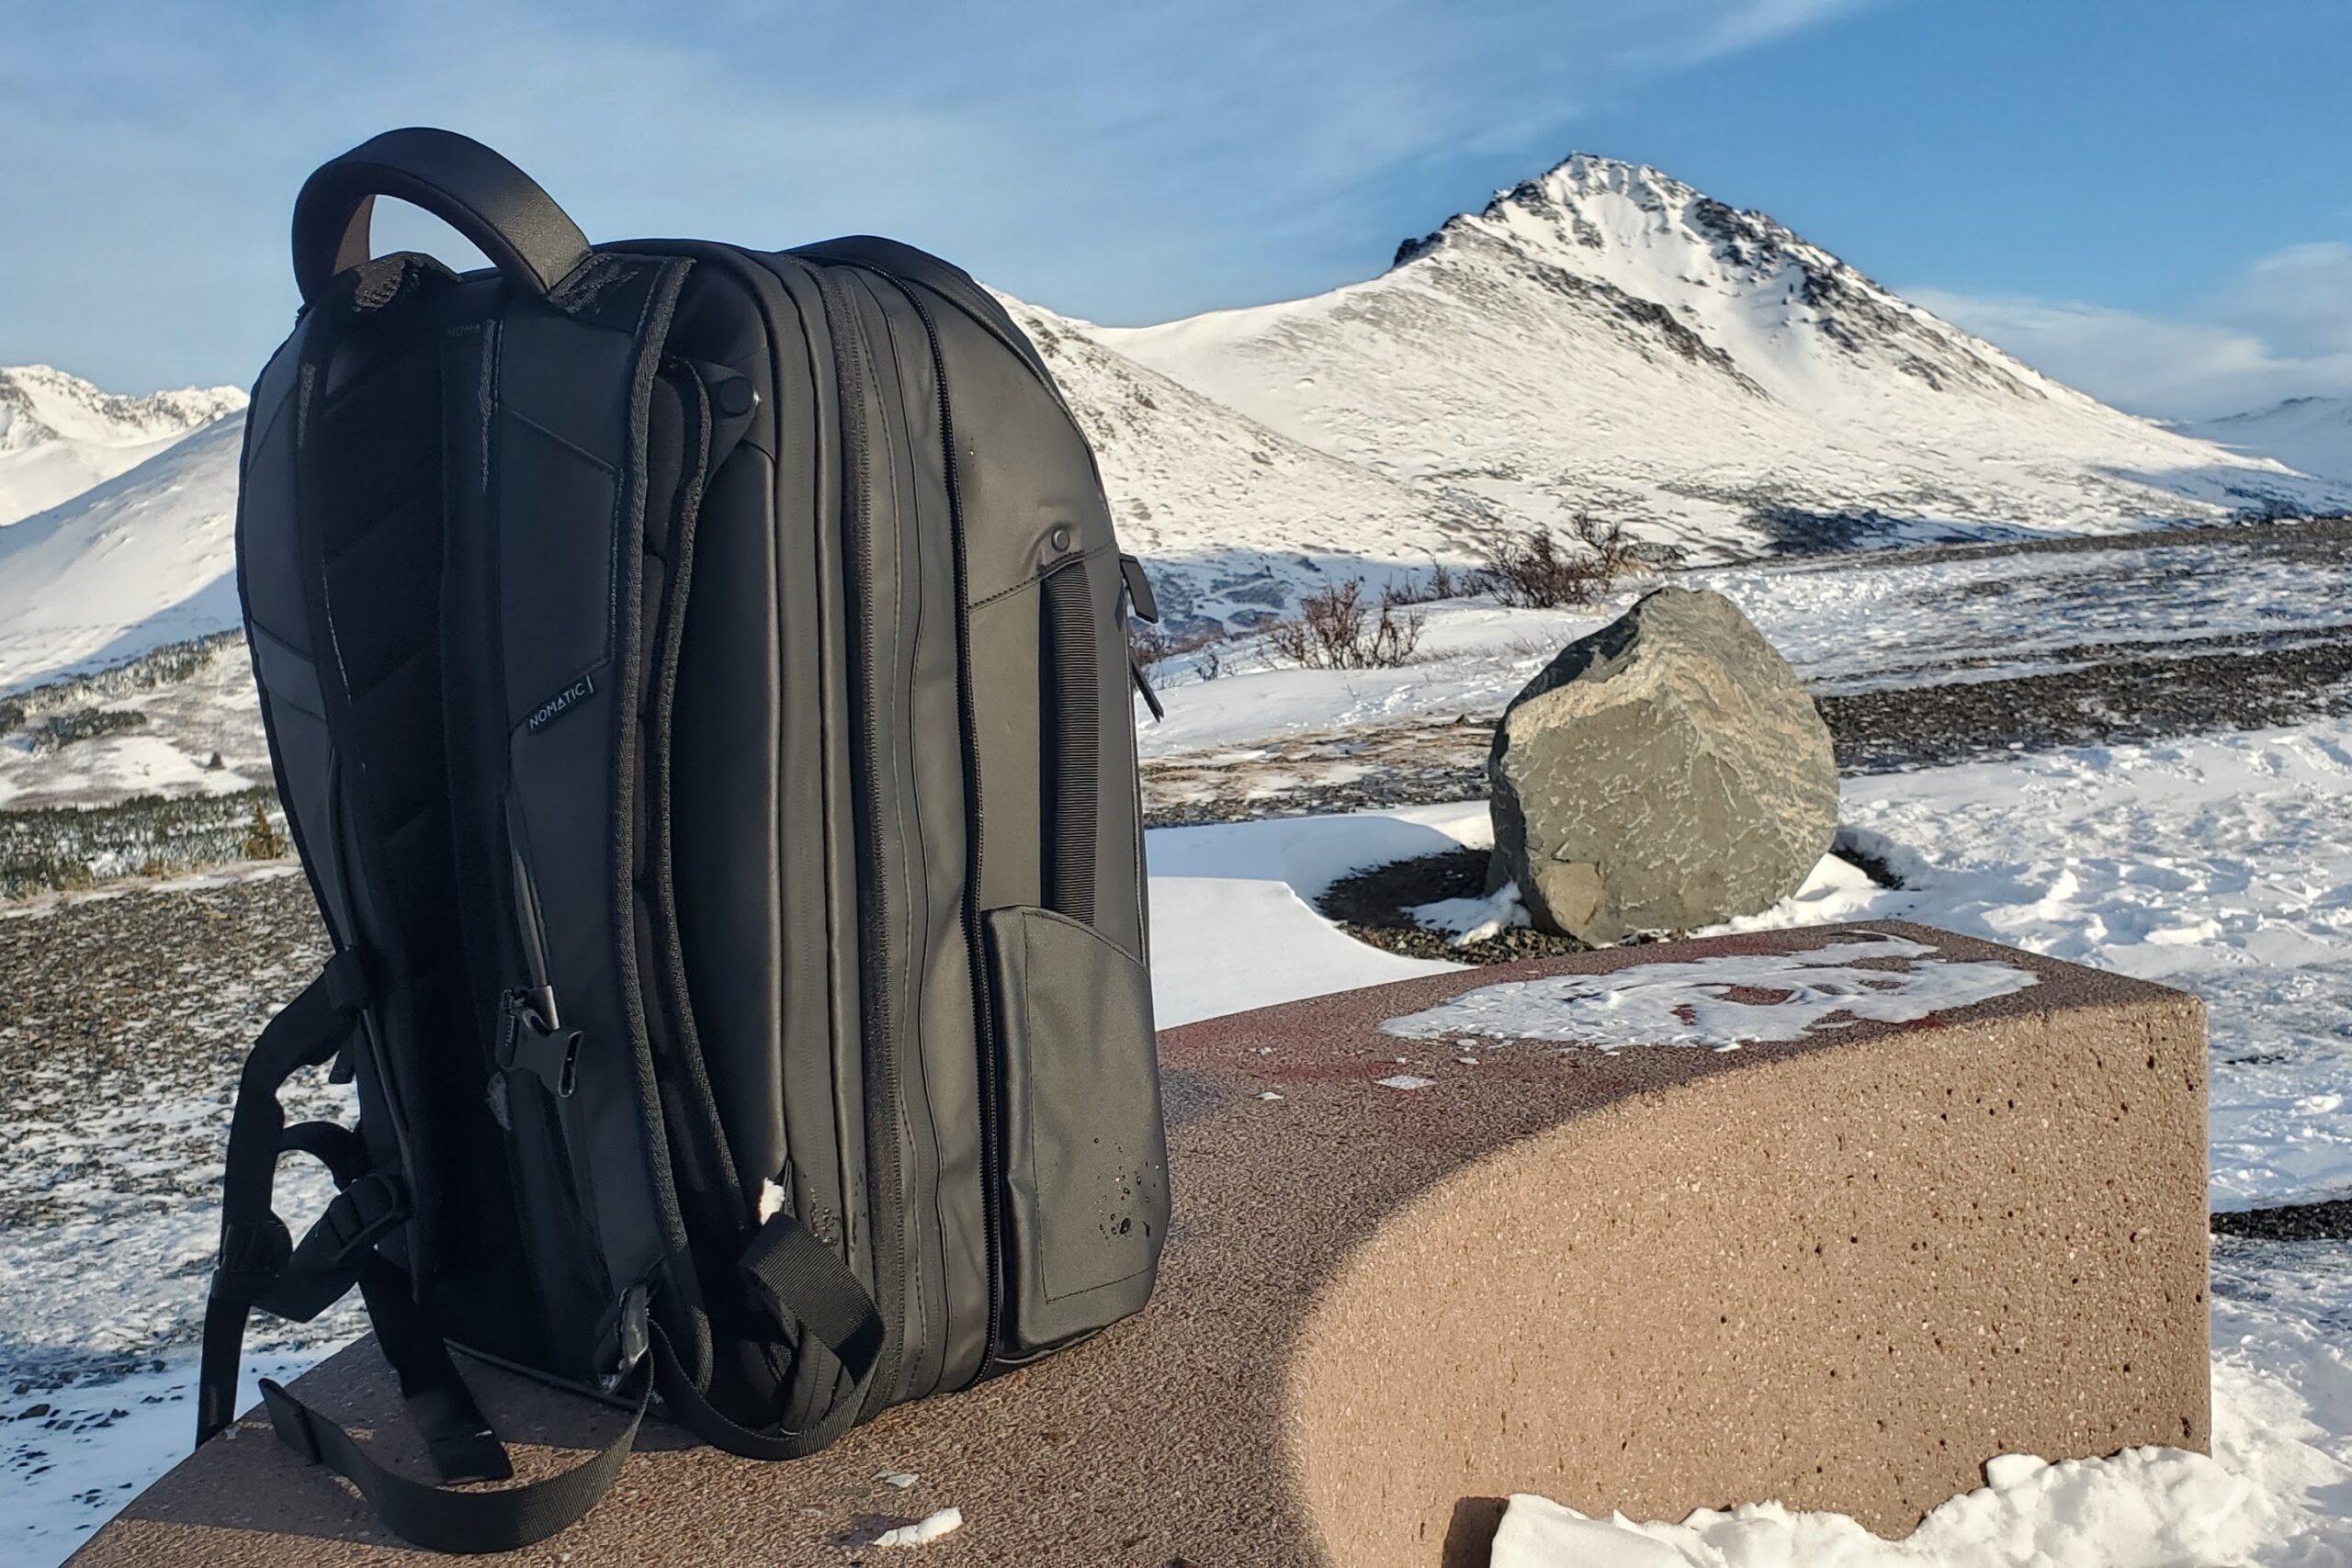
[697, 680]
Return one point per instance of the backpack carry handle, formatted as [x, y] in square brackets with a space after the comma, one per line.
[474, 190]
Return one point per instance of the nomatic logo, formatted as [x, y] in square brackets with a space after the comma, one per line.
[556, 707]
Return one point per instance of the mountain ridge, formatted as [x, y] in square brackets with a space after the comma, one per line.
[1606, 336]
[60, 434]
[1603, 338]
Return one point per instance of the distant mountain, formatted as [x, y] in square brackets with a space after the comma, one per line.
[1608, 338]
[2313, 434]
[144, 558]
[59, 435]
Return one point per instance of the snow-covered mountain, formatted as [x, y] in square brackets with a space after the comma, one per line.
[59, 435]
[1604, 338]
[1608, 338]
[2313, 434]
[146, 557]
[1234, 518]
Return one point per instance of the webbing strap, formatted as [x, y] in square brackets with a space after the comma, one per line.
[256, 1247]
[261, 1267]
[440, 1520]
[798, 1280]
[456, 1434]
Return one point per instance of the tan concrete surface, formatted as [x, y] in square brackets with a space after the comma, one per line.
[1843, 1271]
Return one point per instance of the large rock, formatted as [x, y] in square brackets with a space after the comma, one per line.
[1666, 773]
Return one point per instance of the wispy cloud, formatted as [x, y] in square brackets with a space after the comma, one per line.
[2282, 328]
[1122, 161]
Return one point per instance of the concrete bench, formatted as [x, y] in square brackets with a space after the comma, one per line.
[1417, 1268]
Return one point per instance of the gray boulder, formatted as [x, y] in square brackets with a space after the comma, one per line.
[1667, 772]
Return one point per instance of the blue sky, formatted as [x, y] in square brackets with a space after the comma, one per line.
[2148, 198]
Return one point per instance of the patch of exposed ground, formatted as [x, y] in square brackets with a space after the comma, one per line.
[1374, 905]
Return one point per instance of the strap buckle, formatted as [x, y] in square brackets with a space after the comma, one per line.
[527, 1043]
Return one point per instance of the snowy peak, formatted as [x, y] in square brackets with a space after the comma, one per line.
[39, 403]
[1665, 253]
[59, 435]
[1606, 338]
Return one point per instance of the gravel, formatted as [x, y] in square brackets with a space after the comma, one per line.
[1371, 906]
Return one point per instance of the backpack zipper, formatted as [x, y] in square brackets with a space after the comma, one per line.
[983, 1001]
[879, 1057]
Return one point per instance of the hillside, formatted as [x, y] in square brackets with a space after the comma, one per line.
[146, 557]
[1234, 518]
[59, 435]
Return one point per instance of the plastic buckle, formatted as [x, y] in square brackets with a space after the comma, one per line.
[528, 1044]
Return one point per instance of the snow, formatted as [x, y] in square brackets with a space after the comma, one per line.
[1470, 920]
[1852, 626]
[59, 435]
[1608, 338]
[924, 1531]
[142, 560]
[1232, 922]
[2313, 434]
[1698, 1001]
[1473, 656]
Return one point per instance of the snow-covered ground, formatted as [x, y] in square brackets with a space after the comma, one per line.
[2221, 865]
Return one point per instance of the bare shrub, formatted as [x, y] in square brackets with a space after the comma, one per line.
[1535, 571]
[1336, 629]
[1540, 570]
[1441, 582]
[1152, 645]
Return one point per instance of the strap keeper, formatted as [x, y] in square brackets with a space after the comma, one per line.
[253, 1250]
[346, 977]
[291, 1421]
